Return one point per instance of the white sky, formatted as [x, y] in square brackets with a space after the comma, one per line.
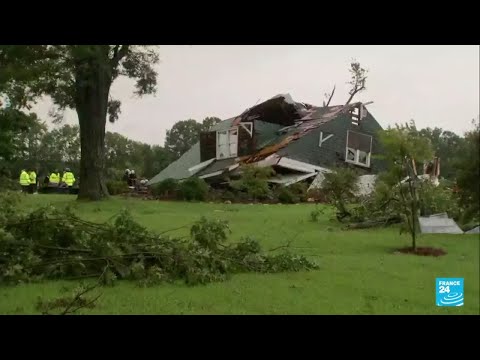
[434, 85]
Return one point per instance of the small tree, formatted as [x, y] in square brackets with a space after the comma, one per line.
[254, 181]
[340, 187]
[404, 147]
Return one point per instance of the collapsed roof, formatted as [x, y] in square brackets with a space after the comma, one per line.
[276, 123]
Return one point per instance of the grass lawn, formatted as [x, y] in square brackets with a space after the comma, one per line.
[359, 273]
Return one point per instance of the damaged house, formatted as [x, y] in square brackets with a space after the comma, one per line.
[300, 141]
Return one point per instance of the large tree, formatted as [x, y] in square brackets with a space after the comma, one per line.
[78, 77]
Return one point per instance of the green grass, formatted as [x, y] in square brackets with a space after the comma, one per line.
[359, 274]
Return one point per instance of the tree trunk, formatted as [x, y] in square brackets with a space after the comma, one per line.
[92, 135]
[93, 80]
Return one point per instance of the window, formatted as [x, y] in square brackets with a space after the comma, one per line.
[355, 116]
[358, 113]
[358, 149]
[227, 143]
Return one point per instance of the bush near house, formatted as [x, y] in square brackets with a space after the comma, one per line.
[438, 199]
[253, 182]
[166, 189]
[292, 194]
[340, 187]
[117, 187]
[193, 189]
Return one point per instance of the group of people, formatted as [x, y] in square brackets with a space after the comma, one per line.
[28, 181]
[29, 184]
[130, 177]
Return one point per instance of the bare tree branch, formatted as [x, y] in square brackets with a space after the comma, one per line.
[358, 79]
[331, 95]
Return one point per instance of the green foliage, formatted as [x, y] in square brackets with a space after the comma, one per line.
[166, 188]
[117, 187]
[55, 244]
[209, 234]
[286, 196]
[9, 201]
[228, 196]
[253, 181]
[468, 174]
[405, 148]
[401, 142]
[438, 199]
[292, 194]
[78, 77]
[193, 189]
[70, 303]
[7, 184]
[447, 146]
[357, 80]
[60, 148]
[315, 214]
[340, 186]
[13, 123]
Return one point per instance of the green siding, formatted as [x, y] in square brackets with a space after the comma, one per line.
[332, 151]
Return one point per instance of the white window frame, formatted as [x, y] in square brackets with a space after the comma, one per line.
[357, 153]
[230, 141]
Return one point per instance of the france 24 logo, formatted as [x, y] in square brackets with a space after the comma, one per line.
[449, 291]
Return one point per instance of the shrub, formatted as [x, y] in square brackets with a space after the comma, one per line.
[286, 196]
[340, 187]
[292, 194]
[117, 187]
[8, 184]
[253, 181]
[315, 214]
[438, 199]
[318, 195]
[300, 190]
[228, 195]
[166, 188]
[193, 189]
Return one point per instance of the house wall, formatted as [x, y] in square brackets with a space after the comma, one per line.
[332, 151]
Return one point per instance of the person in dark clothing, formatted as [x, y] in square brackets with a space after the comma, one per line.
[126, 176]
[133, 178]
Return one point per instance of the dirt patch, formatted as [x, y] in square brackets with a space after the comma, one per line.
[422, 251]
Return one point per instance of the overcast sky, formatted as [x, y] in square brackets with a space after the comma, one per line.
[434, 85]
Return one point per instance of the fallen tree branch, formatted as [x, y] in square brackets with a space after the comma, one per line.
[374, 223]
[79, 295]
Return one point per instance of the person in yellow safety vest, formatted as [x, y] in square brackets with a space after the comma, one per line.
[68, 177]
[24, 181]
[54, 178]
[33, 181]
